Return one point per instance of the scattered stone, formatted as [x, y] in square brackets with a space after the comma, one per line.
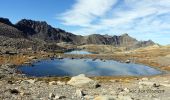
[32, 57]
[79, 93]
[105, 97]
[52, 83]
[156, 99]
[146, 83]
[122, 97]
[24, 93]
[94, 59]
[127, 61]
[31, 81]
[56, 83]
[127, 90]
[60, 83]
[14, 91]
[11, 52]
[165, 84]
[59, 57]
[59, 97]
[27, 63]
[83, 81]
[140, 86]
[88, 97]
[113, 81]
[120, 89]
[51, 96]
[144, 79]
[156, 85]
[10, 82]
[2, 76]
[166, 81]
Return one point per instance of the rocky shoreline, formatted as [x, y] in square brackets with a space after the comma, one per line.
[16, 86]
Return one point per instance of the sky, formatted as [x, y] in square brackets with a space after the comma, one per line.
[141, 19]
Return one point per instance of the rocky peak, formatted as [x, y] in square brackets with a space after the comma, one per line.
[31, 27]
[7, 29]
[29, 21]
[45, 32]
[6, 21]
[40, 30]
[145, 43]
[125, 34]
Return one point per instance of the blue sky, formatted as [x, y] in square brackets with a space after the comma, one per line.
[142, 19]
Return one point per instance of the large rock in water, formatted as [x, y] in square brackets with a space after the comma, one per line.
[83, 81]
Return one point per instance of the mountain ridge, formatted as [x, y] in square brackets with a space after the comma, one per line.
[41, 30]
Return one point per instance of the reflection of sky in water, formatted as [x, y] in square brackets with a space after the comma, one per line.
[78, 52]
[69, 67]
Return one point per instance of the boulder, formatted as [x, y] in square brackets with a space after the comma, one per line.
[31, 81]
[56, 83]
[156, 85]
[123, 97]
[105, 97]
[51, 96]
[88, 97]
[126, 90]
[14, 91]
[147, 83]
[82, 81]
[127, 61]
[79, 93]
[32, 57]
[144, 79]
[60, 83]
[55, 97]
[52, 83]
[59, 97]
[25, 93]
[165, 84]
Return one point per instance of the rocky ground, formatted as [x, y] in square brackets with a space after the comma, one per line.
[14, 86]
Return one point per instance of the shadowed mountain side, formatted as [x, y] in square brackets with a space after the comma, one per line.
[41, 31]
[9, 30]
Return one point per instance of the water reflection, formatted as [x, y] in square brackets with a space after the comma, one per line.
[71, 67]
[78, 52]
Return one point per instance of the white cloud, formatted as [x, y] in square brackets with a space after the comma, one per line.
[137, 17]
[85, 11]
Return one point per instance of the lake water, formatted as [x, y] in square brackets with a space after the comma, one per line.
[72, 67]
[78, 52]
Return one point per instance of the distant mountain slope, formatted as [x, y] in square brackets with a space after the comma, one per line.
[9, 30]
[43, 31]
[120, 41]
[6, 21]
[40, 31]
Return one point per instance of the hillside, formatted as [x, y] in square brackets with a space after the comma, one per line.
[33, 31]
[43, 31]
[8, 29]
